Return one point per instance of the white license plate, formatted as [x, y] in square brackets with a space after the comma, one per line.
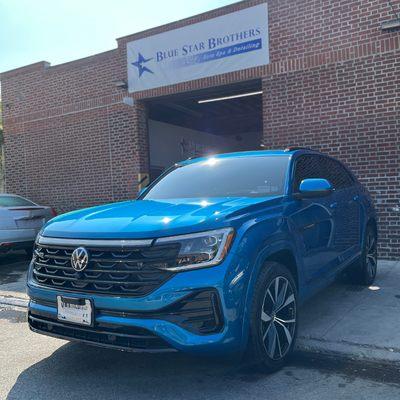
[76, 311]
[35, 223]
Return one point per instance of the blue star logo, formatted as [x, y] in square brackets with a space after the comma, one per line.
[139, 65]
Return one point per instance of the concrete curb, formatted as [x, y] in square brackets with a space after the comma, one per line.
[13, 301]
[349, 350]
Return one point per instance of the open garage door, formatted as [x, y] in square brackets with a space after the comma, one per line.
[213, 121]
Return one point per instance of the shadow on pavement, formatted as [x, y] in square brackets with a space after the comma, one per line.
[77, 371]
[13, 268]
[13, 257]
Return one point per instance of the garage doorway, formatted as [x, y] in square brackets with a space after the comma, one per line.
[207, 122]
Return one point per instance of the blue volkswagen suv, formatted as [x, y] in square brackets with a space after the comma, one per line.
[214, 257]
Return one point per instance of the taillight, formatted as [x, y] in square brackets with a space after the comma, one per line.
[53, 212]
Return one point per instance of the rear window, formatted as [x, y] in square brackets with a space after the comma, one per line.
[14, 201]
[223, 177]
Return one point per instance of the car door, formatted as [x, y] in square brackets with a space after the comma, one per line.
[348, 210]
[314, 220]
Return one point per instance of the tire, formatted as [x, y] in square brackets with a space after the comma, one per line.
[271, 339]
[363, 271]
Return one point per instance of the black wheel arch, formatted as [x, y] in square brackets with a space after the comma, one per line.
[371, 223]
[286, 258]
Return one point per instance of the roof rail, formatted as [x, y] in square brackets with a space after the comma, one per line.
[294, 148]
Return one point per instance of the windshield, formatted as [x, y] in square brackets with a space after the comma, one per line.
[14, 201]
[224, 177]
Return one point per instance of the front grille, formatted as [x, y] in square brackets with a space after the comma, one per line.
[135, 271]
[128, 338]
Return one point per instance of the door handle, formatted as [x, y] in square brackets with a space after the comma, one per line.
[333, 205]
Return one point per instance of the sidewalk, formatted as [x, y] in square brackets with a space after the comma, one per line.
[344, 320]
[356, 322]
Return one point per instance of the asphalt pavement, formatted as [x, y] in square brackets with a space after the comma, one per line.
[36, 367]
[13, 269]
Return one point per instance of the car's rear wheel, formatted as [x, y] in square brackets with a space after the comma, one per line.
[363, 271]
[273, 317]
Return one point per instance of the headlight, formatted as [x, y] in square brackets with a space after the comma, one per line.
[200, 250]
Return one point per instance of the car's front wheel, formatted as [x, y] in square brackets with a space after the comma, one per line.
[273, 316]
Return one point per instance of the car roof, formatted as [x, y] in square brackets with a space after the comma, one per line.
[288, 152]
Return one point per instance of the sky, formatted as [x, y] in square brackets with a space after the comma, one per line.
[58, 31]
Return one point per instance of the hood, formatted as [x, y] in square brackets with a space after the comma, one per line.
[140, 219]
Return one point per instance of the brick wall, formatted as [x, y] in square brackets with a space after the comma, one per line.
[332, 84]
[349, 110]
[78, 159]
[341, 95]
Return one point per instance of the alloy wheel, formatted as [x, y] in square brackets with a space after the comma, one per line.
[371, 255]
[278, 318]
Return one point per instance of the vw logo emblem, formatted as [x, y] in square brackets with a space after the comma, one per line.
[79, 259]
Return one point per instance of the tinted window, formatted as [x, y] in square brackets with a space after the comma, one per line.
[14, 201]
[224, 177]
[307, 167]
[311, 166]
[337, 174]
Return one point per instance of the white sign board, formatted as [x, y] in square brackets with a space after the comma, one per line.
[232, 42]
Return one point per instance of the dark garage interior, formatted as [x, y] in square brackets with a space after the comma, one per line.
[216, 120]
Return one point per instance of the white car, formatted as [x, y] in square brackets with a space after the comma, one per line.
[20, 221]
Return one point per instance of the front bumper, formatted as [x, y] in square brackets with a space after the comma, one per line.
[152, 323]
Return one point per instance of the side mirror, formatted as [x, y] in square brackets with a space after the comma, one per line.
[314, 187]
